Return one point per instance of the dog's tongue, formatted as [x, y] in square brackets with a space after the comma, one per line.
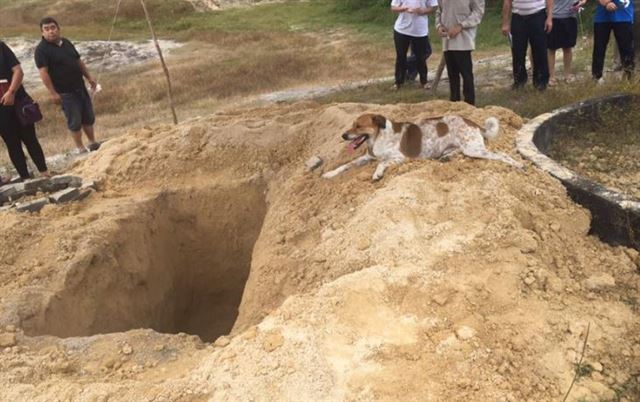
[353, 145]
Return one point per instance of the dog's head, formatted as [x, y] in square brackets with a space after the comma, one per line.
[364, 129]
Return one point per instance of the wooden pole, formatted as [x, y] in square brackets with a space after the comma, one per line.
[439, 71]
[164, 65]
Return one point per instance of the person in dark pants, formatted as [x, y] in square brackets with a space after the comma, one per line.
[457, 22]
[13, 133]
[412, 62]
[616, 16]
[62, 71]
[528, 22]
[411, 29]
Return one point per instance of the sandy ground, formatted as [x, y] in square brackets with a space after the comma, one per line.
[464, 280]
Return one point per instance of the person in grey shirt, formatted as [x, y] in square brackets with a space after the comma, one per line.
[563, 36]
[457, 22]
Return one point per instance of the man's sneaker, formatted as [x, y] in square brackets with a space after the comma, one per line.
[79, 151]
[600, 81]
[94, 147]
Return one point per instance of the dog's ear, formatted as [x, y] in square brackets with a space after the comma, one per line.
[379, 121]
[411, 141]
[442, 129]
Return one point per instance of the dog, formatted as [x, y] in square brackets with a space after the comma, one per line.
[435, 138]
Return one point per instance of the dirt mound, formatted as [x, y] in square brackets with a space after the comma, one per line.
[464, 280]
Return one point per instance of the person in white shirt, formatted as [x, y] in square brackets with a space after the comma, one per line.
[411, 29]
[528, 22]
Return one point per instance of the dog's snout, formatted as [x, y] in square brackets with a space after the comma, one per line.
[345, 136]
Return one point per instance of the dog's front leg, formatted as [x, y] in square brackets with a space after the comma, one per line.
[354, 163]
[382, 166]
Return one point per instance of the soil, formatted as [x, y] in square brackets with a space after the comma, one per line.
[605, 150]
[211, 265]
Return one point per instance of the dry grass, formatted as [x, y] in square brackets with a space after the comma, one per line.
[208, 76]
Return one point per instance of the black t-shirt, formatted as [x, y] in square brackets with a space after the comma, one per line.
[8, 61]
[63, 64]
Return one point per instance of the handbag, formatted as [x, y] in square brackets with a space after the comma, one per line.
[28, 111]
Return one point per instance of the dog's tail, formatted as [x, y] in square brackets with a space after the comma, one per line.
[491, 127]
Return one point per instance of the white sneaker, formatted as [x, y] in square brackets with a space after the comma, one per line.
[80, 151]
[600, 81]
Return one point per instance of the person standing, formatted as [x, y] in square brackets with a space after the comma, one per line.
[62, 71]
[616, 16]
[528, 21]
[457, 22]
[563, 36]
[13, 133]
[411, 29]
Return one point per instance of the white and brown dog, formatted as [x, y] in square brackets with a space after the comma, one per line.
[392, 143]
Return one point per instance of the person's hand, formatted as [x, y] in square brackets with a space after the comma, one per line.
[93, 83]
[7, 99]
[56, 99]
[455, 30]
[611, 6]
[548, 25]
[412, 10]
[443, 32]
[506, 29]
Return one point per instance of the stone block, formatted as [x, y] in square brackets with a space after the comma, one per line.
[67, 180]
[66, 195]
[32, 206]
[313, 163]
[36, 184]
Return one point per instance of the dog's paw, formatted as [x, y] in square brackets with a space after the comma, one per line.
[329, 175]
[377, 176]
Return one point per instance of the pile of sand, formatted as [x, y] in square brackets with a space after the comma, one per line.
[464, 280]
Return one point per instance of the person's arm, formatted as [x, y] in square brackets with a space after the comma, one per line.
[397, 7]
[548, 24]
[442, 30]
[16, 80]
[46, 80]
[477, 12]
[506, 17]
[87, 75]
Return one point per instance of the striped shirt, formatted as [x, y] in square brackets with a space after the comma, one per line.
[528, 7]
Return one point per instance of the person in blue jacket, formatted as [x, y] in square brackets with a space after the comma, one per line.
[616, 16]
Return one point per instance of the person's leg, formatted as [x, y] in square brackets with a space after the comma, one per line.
[466, 70]
[421, 66]
[518, 50]
[9, 127]
[567, 60]
[29, 139]
[601, 31]
[72, 108]
[551, 57]
[402, 45]
[538, 40]
[88, 120]
[454, 75]
[623, 32]
[412, 71]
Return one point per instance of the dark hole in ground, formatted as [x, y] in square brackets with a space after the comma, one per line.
[178, 263]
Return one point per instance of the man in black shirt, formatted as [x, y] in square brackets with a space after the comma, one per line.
[62, 72]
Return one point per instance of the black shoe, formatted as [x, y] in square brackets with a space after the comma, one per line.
[94, 147]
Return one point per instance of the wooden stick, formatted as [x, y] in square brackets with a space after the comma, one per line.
[164, 65]
[439, 71]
